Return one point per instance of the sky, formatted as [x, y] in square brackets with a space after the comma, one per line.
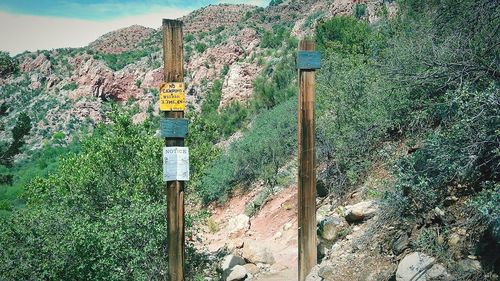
[30, 25]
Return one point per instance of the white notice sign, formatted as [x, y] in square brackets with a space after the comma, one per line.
[175, 163]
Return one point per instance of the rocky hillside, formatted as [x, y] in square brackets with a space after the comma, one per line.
[69, 90]
[121, 40]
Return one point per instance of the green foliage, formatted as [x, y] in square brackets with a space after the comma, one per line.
[275, 2]
[275, 37]
[200, 47]
[119, 61]
[189, 37]
[8, 65]
[19, 131]
[257, 151]
[458, 159]
[225, 70]
[70, 86]
[344, 35]
[270, 91]
[359, 10]
[99, 216]
[58, 136]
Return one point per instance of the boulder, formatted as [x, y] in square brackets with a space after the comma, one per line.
[236, 273]
[255, 253]
[231, 261]
[420, 267]
[322, 212]
[327, 272]
[361, 211]
[470, 267]
[330, 226]
[240, 222]
[313, 275]
[251, 268]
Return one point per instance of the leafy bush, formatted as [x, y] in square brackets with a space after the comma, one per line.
[459, 159]
[275, 85]
[275, 2]
[359, 10]
[189, 37]
[19, 131]
[99, 216]
[275, 37]
[344, 35]
[200, 47]
[255, 153]
[119, 61]
[70, 86]
[8, 65]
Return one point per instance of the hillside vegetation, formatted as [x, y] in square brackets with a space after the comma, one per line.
[416, 95]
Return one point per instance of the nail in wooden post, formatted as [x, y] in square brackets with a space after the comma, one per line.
[174, 72]
[307, 172]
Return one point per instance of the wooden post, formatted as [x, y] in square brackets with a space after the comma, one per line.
[307, 169]
[174, 72]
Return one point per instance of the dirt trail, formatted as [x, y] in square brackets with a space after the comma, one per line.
[274, 227]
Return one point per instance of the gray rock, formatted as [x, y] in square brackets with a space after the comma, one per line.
[231, 261]
[361, 211]
[256, 253]
[322, 212]
[235, 274]
[420, 267]
[400, 244]
[470, 266]
[313, 275]
[251, 268]
[330, 226]
[326, 272]
[240, 222]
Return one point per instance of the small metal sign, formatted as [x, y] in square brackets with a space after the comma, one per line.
[173, 127]
[175, 163]
[172, 97]
[308, 60]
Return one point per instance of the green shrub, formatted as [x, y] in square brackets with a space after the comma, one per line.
[70, 86]
[200, 47]
[8, 65]
[344, 35]
[257, 150]
[269, 92]
[119, 61]
[99, 216]
[189, 37]
[359, 10]
[275, 37]
[459, 158]
[275, 2]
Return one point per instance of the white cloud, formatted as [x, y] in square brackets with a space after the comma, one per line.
[21, 32]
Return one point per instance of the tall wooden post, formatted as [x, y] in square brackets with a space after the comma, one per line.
[307, 159]
[174, 72]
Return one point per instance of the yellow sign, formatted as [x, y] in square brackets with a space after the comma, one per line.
[172, 97]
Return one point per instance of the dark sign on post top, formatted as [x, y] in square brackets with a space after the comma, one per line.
[308, 60]
[173, 128]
